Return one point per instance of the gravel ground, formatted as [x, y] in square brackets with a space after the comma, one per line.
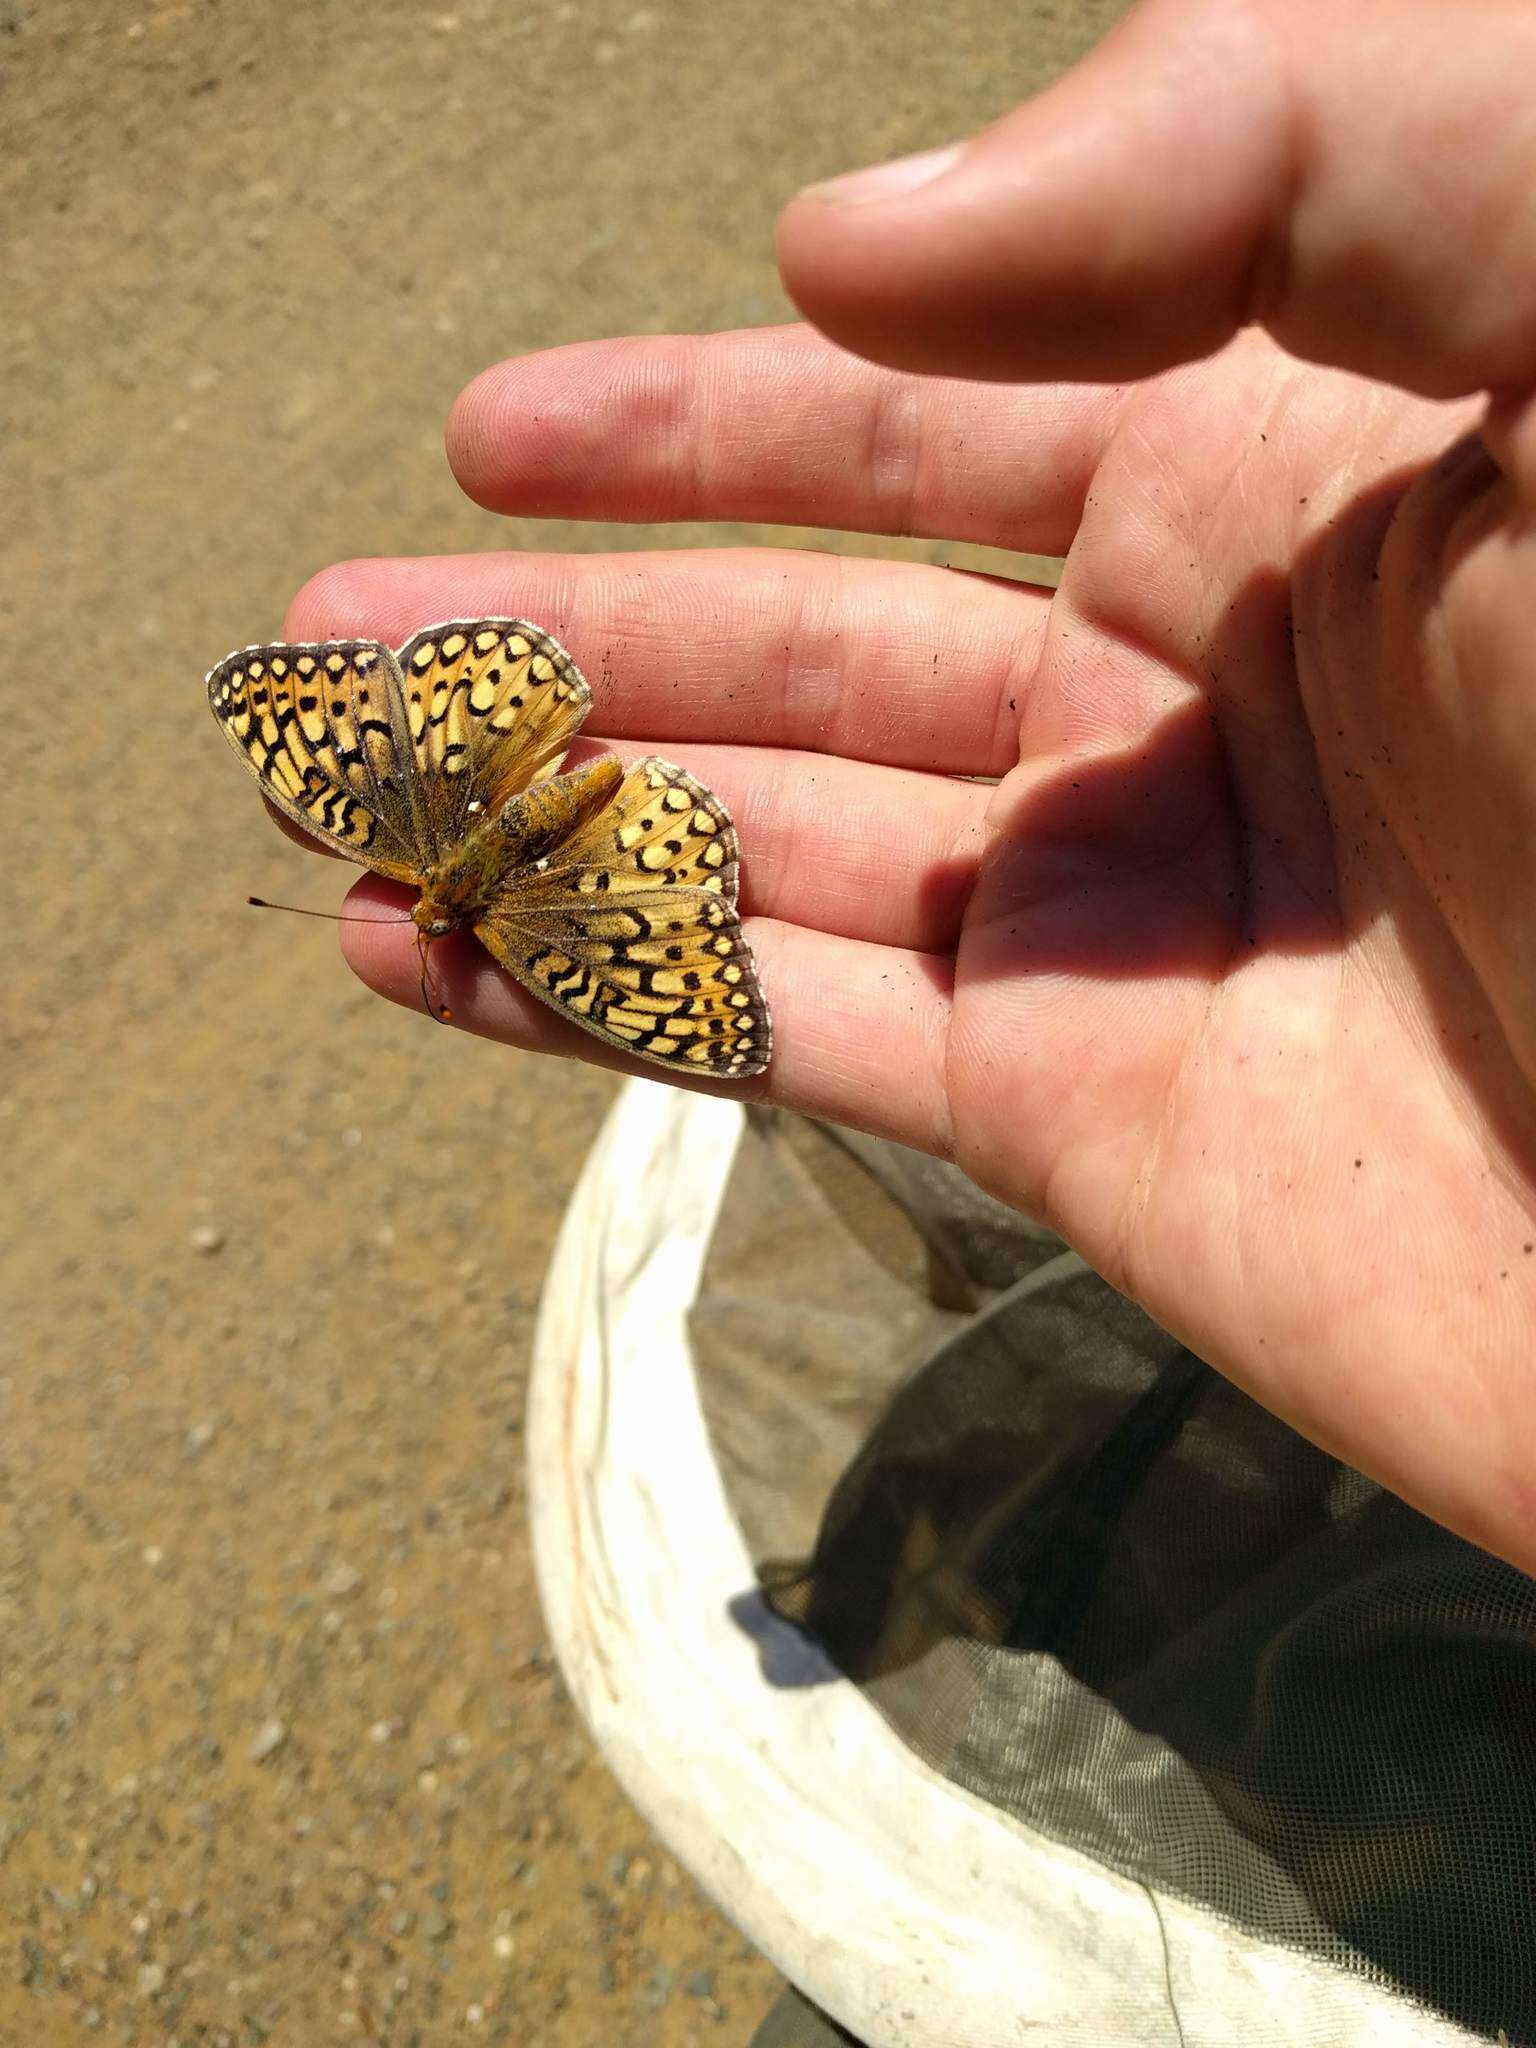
[282, 1754]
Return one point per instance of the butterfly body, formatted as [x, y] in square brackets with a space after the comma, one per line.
[610, 894]
[511, 843]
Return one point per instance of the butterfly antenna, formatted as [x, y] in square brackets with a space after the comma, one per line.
[330, 916]
[438, 1010]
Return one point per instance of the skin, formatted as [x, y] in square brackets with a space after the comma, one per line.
[1232, 974]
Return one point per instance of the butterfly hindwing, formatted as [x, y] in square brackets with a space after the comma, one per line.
[323, 730]
[631, 930]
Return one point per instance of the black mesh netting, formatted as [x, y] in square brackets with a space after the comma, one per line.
[795, 2023]
[1084, 1577]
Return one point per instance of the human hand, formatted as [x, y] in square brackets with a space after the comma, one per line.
[1231, 976]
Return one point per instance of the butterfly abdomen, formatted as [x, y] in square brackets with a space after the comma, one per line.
[539, 820]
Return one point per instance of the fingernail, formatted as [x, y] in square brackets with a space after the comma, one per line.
[887, 181]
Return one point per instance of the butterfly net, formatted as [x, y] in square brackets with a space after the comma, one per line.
[1090, 1582]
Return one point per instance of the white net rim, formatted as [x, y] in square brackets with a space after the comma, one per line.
[912, 1912]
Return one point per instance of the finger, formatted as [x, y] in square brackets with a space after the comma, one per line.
[880, 661]
[774, 423]
[1356, 178]
[859, 1031]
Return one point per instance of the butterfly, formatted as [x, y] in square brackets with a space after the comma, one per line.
[609, 894]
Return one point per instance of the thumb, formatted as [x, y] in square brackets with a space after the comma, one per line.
[1355, 178]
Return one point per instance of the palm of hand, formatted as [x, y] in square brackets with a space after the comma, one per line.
[1216, 1011]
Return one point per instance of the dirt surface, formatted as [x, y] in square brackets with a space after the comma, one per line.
[282, 1754]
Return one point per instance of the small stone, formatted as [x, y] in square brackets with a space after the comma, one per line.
[504, 1947]
[436, 1925]
[341, 1581]
[207, 1238]
[197, 1440]
[701, 1984]
[658, 1989]
[151, 1979]
[267, 1741]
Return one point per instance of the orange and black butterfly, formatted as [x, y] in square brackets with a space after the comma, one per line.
[611, 896]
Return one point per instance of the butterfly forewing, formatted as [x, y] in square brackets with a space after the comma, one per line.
[492, 704]
[632, 930]
[322, 729]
